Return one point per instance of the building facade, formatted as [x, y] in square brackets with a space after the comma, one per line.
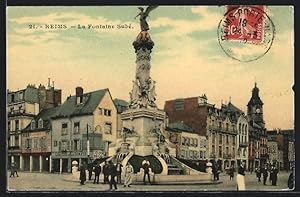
[190, 146]
[22, 106]
[36, 142]
[258, 154]
[218, 125]
[83, 128]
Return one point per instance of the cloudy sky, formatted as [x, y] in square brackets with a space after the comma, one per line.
[187, 59]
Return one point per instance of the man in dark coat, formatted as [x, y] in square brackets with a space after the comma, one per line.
[97, 170]
[258, 173]
[106, 172]
[291, 180]
[112, 172]
[265, 174]
[82, 176]
[146, 167]
[231, 172]
[90, 169]
[274, 177]
[119, 172]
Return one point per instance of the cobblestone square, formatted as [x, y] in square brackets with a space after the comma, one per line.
[58, 182]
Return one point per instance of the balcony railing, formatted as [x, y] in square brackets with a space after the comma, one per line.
[212, 155]
[227, 156]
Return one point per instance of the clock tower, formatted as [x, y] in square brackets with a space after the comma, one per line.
[255, 107]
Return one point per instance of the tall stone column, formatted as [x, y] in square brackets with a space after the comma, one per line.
[50, 163]
[60, 165]
[41, 163]
[143, 92]
[30, 163]
[21, 162]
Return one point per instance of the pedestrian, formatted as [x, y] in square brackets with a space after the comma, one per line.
[258, 173]
[240, 178]
[13, 170]
[90, 169]
[16, 169]
[215, 172]
[274, 177]
[97, 170]
[271, 173]
[105, 172]
[128, 175]
[231, 173]
[82, 176]
[265, 174]
[146, 166]
[119, 172]
[291, 180]
[112, 173]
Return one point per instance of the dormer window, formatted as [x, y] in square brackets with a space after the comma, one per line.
[33, 124]
[40, 123]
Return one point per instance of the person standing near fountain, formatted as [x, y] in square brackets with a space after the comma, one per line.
[128, 175]
[119, 171]
[105, 173]
[146, 166]
[112, 169]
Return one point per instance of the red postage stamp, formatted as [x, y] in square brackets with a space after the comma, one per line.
[245, 23]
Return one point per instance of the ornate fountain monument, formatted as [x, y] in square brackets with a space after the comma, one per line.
[143, 132]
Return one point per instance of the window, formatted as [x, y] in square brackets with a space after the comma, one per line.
[100, 111]
[204, 154]
[220, 125]
[240, 128]
[107, 112]
[64, 146]
[220, 138]
[196, 142]
[12, 98]
[55, 143]
[227, 151]
[179, 104]
[40, 123]
[29, 143]
[17, 140]
[17, 125]
[108, 128]
[201, 154]
[76, 144]
[220, 151]
[64, 128]
[35, 143]
[227, 139]
[213, 149]
[183, 141]
[21, 95]
[8, 126]
[32, 124]
[76, 127]
[233, 140]
[227, 125]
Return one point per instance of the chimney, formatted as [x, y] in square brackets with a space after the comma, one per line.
[79, 94]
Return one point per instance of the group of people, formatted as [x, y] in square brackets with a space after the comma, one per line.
[273, 171]
[110, 172]
[13, 170]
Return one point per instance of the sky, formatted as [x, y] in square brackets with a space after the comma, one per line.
[186, 61]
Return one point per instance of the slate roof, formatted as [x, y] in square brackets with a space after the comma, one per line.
[121, 105]
[90, 101]
[179, 127]
[45, 115]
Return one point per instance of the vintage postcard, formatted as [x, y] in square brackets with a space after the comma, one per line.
[150, 98]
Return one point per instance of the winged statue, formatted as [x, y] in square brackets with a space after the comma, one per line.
[143, 15]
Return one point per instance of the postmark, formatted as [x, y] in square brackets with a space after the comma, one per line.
[246, 33]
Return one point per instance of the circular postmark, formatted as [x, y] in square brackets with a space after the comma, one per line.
[246, 33]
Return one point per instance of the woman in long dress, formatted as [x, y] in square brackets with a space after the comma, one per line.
[128, 175]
